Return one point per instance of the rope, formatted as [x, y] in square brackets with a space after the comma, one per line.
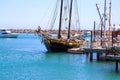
[53, 19]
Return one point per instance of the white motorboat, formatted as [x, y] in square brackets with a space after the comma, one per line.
[86, 33]
[7, 34]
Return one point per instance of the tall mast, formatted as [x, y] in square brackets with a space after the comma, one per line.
[109, 17]
[60, 22]
[105, 18]
[70, 19]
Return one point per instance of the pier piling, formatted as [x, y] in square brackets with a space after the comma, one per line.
[91, 56]
[116, 66]
[98, 56]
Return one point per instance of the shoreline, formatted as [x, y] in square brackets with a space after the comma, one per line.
[50, 31]
[22, 30]
[97, 32]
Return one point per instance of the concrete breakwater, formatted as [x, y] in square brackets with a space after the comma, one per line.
[34, 30]
[49, 31]
[22, 30]
[97, 32]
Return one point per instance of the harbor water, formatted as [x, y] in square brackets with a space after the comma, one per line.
[25, 58]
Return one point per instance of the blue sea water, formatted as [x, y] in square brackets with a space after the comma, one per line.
[25, 58]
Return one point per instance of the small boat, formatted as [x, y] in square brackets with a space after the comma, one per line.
[7, 34]
[86, 33]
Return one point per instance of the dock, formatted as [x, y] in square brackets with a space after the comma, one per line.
[98, 51]
[76, 51]
[115, 58]
[111, 54]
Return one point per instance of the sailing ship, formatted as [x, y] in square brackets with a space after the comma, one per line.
[62, 43]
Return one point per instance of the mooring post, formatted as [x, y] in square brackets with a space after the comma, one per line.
[91, 37]
[94, 29]
[87, 53]
[116, 66]
[91, 56]
[112, 38]
[98, 56]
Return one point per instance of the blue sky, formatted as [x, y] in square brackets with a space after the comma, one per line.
[28, 14]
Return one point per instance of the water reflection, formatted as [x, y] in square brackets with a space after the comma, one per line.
[65, 58]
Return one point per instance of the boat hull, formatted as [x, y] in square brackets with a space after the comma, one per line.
[11, 35]
[57, 45]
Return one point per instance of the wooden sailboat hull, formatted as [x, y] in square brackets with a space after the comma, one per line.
[57, 45]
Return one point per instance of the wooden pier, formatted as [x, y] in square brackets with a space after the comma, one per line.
[98, 51]
[115, 58]
[76, 51]
[102, 48]
[101, 53]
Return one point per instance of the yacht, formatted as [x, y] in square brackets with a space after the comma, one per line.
[7, 34]
[86, 33]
